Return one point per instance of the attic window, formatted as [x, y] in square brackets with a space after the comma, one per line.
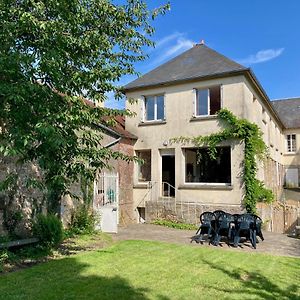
[208, 101]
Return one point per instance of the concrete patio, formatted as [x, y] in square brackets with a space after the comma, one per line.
[274, 243]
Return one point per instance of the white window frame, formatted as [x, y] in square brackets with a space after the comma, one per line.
[144, 111]
[293, 144]
[196, 90]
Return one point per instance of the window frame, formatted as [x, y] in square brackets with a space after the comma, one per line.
[292, 145]
[201, 183]
[138, 166]
[208, 88]
[144, 110]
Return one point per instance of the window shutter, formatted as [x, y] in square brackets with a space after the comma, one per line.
[142, 109]
[194, 102]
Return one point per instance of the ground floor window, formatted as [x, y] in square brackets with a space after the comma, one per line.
[199, 167]
[144, 169]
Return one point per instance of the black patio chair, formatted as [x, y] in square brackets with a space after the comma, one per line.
[258, 223]
[245, 227]
[205, 227]
[224, 224]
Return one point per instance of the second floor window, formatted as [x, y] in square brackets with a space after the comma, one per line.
[291, 143]
[154, 108]
[208, 101]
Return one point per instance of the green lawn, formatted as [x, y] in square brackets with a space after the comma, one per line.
[153, 270]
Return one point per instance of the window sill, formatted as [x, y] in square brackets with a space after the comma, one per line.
[203, 118]
[141, 185]
[200, 186]
[290, 153]
[149, 123]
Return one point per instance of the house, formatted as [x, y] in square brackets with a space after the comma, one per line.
[181, 98]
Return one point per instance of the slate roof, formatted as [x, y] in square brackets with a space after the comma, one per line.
[288, 111]
[197, 62]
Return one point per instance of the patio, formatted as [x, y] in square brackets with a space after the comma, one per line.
[274, 243]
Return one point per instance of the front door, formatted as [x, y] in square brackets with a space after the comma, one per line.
[168, 175]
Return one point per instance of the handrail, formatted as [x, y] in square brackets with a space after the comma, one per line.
[150, 186]
[169, 188]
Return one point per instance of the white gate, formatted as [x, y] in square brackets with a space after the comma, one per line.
[106, 201]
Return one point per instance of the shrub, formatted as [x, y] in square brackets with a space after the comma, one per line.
[48, 229]
[82, 220]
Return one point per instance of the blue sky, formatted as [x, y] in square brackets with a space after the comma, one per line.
[263, 35]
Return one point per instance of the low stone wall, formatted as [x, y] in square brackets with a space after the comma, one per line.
[187, 212]
[277, 217]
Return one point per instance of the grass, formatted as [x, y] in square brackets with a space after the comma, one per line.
[175, 224]
[14, 259]
[152, 270]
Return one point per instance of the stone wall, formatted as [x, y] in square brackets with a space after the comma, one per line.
[20, 197]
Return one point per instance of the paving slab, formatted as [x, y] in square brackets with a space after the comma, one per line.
[274, 243]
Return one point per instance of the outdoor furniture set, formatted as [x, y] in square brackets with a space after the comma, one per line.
[218, 224]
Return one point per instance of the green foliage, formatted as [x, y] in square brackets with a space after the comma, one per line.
[255, 148]
[53, 53]
[175, 224]
[48, 229]
[83, 220]
[11, 219]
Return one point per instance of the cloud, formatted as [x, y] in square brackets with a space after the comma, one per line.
[261, 56]
[168, 38]
[181, 45]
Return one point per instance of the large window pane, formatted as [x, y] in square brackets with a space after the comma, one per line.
[144, 170]
[202, 102]
[150, 106]
[160, 107]
[202, 169]
[214, 99]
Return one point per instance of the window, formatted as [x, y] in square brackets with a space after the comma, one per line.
[208, 101]
[202, 169]
[154, 108]
[291, 143]
[144, 170]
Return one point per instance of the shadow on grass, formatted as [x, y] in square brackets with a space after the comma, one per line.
[69, 278]
[255, 284]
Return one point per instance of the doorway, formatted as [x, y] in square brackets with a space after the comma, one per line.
[168, 175]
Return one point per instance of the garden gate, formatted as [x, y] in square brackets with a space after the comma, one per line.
[106, 201]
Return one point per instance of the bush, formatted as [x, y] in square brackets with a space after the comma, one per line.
[82, 221]
[48, 229]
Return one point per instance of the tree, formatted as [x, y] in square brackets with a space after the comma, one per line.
[53, 53]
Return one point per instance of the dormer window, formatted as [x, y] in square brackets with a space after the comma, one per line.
[154, 108]
[208, 101]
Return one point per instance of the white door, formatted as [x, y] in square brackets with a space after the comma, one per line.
[292, 177]
[106, 200]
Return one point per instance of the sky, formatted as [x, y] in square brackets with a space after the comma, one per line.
[263, 35]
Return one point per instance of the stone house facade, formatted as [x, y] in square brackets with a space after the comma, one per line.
[181, 98]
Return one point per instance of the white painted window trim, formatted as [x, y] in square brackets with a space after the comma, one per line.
[293, 144]
[144, 113]
[195, 100]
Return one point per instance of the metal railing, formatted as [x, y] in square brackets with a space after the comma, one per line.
[167, 188]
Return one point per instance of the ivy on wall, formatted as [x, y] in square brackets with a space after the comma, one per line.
[255, 148]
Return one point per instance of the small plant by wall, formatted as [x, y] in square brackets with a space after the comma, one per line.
[255, 148]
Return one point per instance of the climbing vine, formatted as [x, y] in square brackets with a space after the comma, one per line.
[255, 148]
